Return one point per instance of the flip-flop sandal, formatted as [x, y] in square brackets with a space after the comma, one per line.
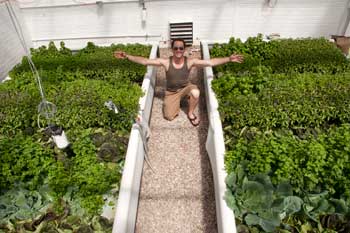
[193, 119]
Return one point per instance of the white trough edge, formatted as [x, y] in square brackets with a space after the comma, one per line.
[215, 146]
[126, 209]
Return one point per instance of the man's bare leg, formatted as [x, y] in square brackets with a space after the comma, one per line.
[192, 104]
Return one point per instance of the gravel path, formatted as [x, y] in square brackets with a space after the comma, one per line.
[179, 196]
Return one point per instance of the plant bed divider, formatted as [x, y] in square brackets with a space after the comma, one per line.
[126, 209]
[215, 146]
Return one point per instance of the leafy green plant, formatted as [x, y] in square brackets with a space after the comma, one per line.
[93, 62]
[283, 56]
[24, 161]
[31, 211]
[285, 114]
[257, 202]
[298, 102]
[262, 206]
[83, 173]
[82, 104]
[311, 165]
[18, 109]
[64, 190]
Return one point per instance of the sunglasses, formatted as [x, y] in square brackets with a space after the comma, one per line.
[178, 48]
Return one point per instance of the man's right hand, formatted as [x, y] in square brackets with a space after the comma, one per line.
[120, 54]
[236, 58]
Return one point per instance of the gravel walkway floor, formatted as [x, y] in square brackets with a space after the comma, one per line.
[179, 196]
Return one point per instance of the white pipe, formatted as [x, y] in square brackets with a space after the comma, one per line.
[96, 37]
[23, 7]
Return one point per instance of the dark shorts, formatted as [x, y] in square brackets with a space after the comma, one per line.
[171, 105]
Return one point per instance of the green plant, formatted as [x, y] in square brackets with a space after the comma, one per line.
[93, 62]
[298, 103]
[64, 190]
[286, 131]
[283, 56]
[23, 161]
[260, 206]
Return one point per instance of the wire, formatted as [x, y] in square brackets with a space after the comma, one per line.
[26, 2]
[45, 108]
[144, 131]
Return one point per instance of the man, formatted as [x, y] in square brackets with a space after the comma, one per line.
[177, 69]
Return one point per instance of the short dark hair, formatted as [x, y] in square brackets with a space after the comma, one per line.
[173, 42]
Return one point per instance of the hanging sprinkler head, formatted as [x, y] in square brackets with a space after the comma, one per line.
[58, 136]
[47, 109]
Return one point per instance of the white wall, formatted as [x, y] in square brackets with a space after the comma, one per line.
[214, 20]
[296, 18]
[119, 21]
[11, 50]
[77, 22]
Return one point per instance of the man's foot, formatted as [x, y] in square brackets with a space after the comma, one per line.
[194, 119]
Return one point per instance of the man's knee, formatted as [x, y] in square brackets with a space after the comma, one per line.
[169, 113]
[195, 93]
[169, 116]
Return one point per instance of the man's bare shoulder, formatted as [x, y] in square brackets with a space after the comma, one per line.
[164, 61]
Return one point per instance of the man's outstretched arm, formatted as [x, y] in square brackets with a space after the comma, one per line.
[218, 61]
[138, 59]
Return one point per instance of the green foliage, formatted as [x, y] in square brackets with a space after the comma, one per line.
[283, 56]
[21, 204]
[259, 204]
[307, 55]
[24, 161]
[86, 99]
[256, 202]
[229, 86]
[27, 163]
[83, 173]
[299, 102]
[51, 51]
[293, 128]
[285, 114]
[80, 104]
[311, 165]
[18, 109]
[92, 62]
[31, 211]
[77, 179]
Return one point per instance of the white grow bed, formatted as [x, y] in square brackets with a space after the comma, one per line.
[126, 210]
[215, 146]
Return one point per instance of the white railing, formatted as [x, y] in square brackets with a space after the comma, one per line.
[126, 210]
[216, 150]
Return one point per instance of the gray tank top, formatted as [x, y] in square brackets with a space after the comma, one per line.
[176, 78]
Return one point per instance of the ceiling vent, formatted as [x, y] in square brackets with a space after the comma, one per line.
[182, 31]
